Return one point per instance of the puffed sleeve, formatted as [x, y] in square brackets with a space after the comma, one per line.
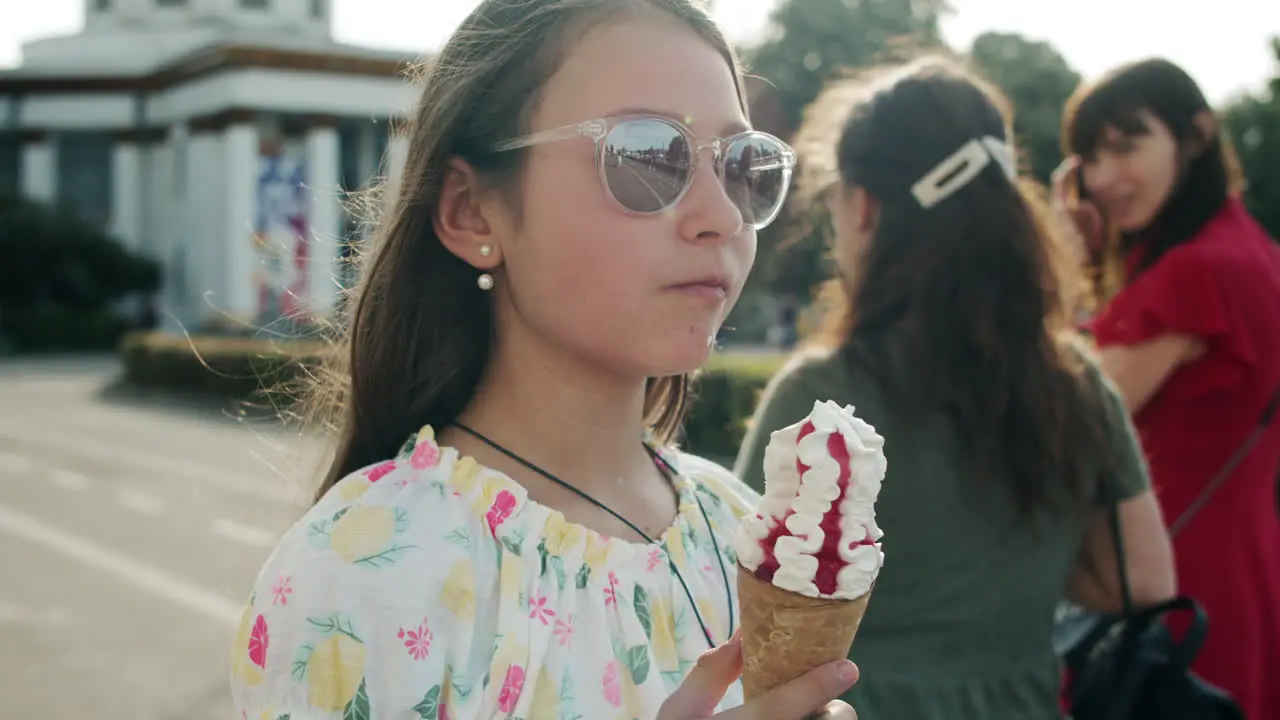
[1130, 475]
[1189, 291]
[376, 603]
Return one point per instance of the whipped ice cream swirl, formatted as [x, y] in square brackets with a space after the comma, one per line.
[814, 531]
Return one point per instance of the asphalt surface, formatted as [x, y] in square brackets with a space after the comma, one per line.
[131, 529]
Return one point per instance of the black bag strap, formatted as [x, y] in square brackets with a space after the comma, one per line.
[1183, 651]
[1242, 452]
[1195, 635]
[1117, 539]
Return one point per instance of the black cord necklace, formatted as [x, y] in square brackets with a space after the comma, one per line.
[669, 473]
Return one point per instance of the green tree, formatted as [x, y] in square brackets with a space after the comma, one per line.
[60, 278]
[811, 41]
[1038, 81]
[1253, 124]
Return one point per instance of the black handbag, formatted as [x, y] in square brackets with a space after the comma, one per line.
[1129, 666]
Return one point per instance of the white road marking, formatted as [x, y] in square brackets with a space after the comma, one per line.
[141, 503]
[159, 584]
[14, 463]
[263, 488]
[247, 534]
[68, 480]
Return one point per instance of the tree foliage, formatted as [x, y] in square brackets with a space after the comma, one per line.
[811, 42]
[60, 277]
[1253, 124]
[1038, 81]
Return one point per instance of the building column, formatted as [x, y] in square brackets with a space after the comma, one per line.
[240, 148]
[397, 152]
[324, 213]
[38, 175]
[172, 244]
[204, 227]
[126, 190]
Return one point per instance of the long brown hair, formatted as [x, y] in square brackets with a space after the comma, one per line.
[974, 292]
[1210, 171]
[420, 331]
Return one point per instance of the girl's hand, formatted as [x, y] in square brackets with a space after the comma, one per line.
[808, 696]
[1060, 184]
[1080, 219]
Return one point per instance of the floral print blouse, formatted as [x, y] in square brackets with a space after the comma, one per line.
[429, 586]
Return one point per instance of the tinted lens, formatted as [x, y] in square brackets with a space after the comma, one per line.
[757, 172]
[646, 164]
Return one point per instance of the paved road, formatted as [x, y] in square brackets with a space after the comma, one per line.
[130, 532]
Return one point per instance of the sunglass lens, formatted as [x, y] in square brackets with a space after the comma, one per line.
[646, 164]
[757, 172]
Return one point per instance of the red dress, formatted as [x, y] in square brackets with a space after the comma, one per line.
[1222, 286]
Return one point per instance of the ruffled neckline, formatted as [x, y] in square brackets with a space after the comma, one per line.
[503, 505]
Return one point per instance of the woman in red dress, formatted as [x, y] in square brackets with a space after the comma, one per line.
[1190, 332]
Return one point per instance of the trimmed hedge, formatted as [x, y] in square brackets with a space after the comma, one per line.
[241, 368]
[61, 280]
[58, 328]
[725, 396]
[225, 367]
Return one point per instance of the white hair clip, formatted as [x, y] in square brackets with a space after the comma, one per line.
[962, 166]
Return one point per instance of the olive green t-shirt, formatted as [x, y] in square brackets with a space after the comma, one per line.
[960, 623]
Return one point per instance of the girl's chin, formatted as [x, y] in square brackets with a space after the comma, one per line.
[686, 358]
[1131, 221]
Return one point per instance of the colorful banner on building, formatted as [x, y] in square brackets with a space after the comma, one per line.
[280, 239]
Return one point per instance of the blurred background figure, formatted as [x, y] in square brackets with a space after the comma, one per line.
[952, 335]
[1187, 288]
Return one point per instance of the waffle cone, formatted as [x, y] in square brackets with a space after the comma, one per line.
[786, 634]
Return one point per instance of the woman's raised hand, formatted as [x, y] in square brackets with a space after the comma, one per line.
[1080, 219]
[808, 696]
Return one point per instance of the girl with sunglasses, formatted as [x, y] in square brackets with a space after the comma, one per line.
[951, 333]
[503, 531]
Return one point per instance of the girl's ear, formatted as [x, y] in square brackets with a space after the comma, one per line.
[1206, 126]
[866, 210]
[464, 219]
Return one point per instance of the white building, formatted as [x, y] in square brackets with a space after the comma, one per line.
[218, 136]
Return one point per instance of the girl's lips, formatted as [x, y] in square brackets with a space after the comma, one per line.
[705, 290]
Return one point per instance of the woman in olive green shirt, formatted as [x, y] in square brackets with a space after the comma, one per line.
[1005, 446]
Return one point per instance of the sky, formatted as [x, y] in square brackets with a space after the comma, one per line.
[1225, 48]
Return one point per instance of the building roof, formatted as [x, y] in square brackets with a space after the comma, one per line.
[139, 44]
[174, 60]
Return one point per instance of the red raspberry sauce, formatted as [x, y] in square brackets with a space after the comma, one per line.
[829, 562]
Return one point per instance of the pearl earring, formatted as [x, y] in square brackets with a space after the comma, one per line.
[485, 281]
[486, 251]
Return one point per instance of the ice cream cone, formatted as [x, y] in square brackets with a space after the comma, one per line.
[813, 534]
[786, 634]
